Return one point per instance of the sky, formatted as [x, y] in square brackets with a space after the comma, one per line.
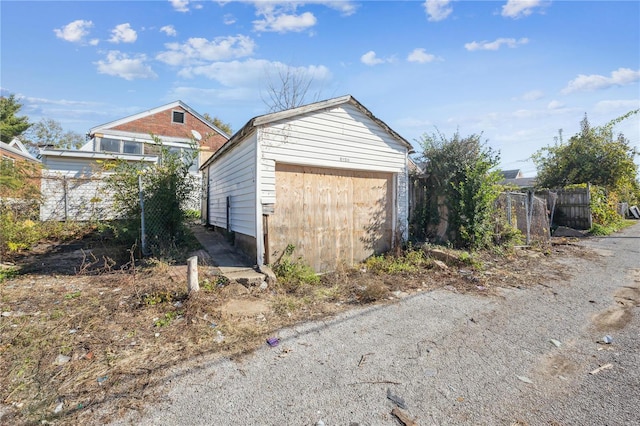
[515, 72]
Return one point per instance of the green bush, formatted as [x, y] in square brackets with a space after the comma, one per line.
[410, 261]
[292, 273]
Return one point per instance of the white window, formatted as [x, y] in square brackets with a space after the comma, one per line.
[119, 146]
[109, 145]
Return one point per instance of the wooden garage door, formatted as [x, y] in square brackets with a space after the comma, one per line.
[332, 217]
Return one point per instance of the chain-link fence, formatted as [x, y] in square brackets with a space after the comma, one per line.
[527, 213]
[162, 212]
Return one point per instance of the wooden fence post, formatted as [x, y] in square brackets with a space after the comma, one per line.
[192, 274]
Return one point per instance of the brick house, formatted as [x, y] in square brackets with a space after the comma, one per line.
[72, 179]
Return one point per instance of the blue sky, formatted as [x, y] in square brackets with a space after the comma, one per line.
[516, 71]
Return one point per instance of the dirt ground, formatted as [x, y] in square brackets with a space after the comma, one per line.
[82, 334]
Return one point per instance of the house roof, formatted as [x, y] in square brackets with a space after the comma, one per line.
[525, 182]
[153, 111]
[510, 174]
[293, 112]
[97, 155]
[17, 148]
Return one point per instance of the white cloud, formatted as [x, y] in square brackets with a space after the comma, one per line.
[555, 105]
[371, 59]
[533, 95]
[437, 10]
[180, 5]
[625, 105]
[251, 72]
[75, 31]
[169, 30]
[421, 56]
[197, 50]
[123, 33]
[496, 44]
[519, 8]
[119, 64]
[229, 19]
[283, 23]
[620, 77]
[94, 42]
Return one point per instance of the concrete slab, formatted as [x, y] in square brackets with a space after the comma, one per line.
[232, 263]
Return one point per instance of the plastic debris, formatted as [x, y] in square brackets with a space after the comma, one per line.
[273, 341]
[556, 343]
[525, 379]
[102, 379]
[396, 399]
[320, 423]
[607, 339]
[58, 408]
[219, 337]
[62, 359]
[213, 325]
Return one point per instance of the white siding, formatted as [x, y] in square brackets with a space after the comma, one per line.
[67, 197]
[343, 138]
[233, 175]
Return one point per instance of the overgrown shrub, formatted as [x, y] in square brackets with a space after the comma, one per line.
[461, 174]
[167, 187]
[604, 212]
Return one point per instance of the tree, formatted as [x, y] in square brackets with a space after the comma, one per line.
[225, 127]
[48, 132]
[461, 171]
[10, 124]
[594, 155]
[288, 89]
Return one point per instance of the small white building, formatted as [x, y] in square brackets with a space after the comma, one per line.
[328, 178]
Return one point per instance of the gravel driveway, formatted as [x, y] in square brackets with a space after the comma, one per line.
[445, 358]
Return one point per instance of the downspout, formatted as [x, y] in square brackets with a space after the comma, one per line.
[258, 210]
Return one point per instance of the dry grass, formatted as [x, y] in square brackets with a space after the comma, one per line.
[100, 339]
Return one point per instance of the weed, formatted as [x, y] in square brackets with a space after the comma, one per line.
[328, 293]
[470, 259]
[410, 261]
[291, 273]
[285, 305]
[167, 319]
[157, 298]
[73, 295]
[7, 274]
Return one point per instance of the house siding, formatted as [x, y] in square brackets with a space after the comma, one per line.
[74, 198]
[233, 175]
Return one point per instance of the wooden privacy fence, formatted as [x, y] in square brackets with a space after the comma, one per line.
[570, 207]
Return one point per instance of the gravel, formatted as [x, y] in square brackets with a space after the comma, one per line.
[449, 358]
